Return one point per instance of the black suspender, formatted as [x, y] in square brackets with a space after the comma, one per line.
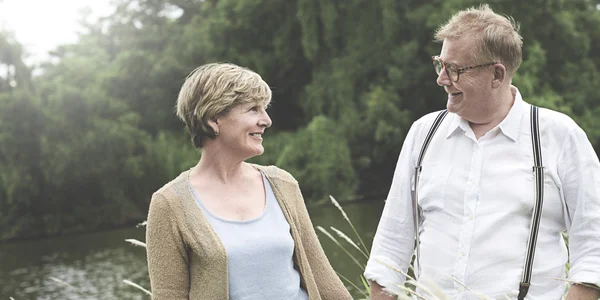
[436, 124]
[538, 170]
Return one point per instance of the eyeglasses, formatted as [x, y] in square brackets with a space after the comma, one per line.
[453, 71]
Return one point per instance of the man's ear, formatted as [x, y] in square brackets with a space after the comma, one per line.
[499, 75]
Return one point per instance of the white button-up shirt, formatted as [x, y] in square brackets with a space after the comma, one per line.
[477, 197]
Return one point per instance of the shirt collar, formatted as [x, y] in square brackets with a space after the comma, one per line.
[456, 123]
[510, 126]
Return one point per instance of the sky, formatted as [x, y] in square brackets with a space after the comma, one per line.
[41, 25]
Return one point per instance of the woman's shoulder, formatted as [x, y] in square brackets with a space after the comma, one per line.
[276, 173]
[173, 188]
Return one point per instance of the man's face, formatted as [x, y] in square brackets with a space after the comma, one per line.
[471, 93]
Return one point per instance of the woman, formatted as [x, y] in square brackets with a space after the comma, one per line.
[227, 229]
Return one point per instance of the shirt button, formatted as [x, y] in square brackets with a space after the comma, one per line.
[461, 289]
[470, 217]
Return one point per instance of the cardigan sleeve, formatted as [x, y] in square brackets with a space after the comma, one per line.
[329, 284]
[166, 251]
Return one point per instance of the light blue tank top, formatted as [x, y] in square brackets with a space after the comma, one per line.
[259, 252]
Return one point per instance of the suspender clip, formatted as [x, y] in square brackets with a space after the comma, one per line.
[523, 288]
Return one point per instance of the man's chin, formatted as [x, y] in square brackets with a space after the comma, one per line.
[452, 107]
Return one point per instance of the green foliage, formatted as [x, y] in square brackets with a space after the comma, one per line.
[86, 143]
[20, 130]
[319, 158]
[168, 154]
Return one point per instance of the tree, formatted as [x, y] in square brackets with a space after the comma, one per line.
[16, 73]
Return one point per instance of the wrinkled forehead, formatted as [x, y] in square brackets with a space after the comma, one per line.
[459, 51]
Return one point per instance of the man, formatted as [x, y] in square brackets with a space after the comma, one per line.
[476, 190]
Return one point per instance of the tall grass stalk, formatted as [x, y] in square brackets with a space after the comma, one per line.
[408, 292]
[413, 281]
[140, 244]
[577, 282]
[66, 284]
[365, 284]
[129, 282]
[364, 251]
[339, 207]
[136, 242]
[353, 285]
[362, 267]
[479, 295]
[428, 291]
[350, 241]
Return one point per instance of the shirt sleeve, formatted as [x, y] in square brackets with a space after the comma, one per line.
[579, 172]
[393, 244]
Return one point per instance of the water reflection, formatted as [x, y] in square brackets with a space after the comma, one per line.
[93, 266]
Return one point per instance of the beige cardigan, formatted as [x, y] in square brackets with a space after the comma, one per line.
[186, 259]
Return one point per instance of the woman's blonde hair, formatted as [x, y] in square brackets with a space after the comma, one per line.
[499, 39]
[213, 89]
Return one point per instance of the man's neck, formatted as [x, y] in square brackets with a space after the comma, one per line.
[497, 114]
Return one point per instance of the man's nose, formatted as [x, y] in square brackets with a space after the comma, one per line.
[443, 79]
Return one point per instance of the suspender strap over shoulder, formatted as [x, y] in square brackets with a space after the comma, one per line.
[415, 204]
[538, 170]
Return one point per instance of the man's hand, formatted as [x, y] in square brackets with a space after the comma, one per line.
[377, 292]
[581, 292]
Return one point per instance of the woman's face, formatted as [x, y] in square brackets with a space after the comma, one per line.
[241, 129]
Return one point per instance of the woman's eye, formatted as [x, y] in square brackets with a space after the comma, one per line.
[254, 108]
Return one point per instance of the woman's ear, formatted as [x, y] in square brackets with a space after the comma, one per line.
[214, 124]
[499, 75]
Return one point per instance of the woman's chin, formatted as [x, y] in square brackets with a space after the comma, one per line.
[255, 152]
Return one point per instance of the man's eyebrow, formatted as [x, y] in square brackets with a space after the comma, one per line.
[452, 62]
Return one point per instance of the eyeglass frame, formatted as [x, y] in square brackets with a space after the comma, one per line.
[458, 70]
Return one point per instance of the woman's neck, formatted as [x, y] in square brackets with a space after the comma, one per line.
[214, 166]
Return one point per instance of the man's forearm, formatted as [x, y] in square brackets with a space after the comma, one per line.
[377, 292]
[582, 292]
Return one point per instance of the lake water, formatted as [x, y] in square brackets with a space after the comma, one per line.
[93, 266]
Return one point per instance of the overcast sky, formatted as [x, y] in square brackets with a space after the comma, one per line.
[41, 25]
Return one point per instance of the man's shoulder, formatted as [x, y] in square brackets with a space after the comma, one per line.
[427, 120]
[421, 126]
[429, 117]
[556, 121]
